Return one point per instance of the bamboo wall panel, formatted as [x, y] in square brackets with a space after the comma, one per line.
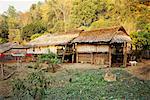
[92, 48]
[101, 59]
[84, 58]
[102, 48]
[86, 48]
[53, 49]
[42, 50]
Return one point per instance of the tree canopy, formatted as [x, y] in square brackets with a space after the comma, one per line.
[54, 16]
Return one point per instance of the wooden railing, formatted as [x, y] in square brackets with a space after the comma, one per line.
[68, 51]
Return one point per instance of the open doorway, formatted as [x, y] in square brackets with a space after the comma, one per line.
[117, 55]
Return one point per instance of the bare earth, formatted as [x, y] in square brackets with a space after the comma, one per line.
[141, 71]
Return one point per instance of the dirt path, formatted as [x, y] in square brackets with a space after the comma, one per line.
[5, 88]
[141, 71]
[81, 66]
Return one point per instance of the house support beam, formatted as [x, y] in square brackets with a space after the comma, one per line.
[2, 70]
[92, 58]
[110, 52]
[77, 59]
[64, 53]
[73, 52]
[125, 54]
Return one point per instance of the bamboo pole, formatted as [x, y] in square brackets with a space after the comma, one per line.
[76, 52]
[110, 56]
[92, 58]
[125, 54]
[73, 52]
[63, 57]
[2, 70]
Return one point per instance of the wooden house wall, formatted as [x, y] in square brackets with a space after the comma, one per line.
[42, 50]
[102, 48]
[92, 48]
[85, 48]
[101, 58]
[94, 58]
[94, 54]
[84, 58]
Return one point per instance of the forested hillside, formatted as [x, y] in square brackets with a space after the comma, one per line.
[64, 15]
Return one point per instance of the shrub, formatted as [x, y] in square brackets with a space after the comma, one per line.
[33, 87]
[51, 59]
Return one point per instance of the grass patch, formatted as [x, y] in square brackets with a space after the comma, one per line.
[91, 85]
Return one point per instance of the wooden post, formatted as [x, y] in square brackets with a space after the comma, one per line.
[76, 52]
[73, 58]
[125, 54]
[73, 52]
[63, 56]
[110, 52]
[77, 59]
[92, 58]
[2, 70]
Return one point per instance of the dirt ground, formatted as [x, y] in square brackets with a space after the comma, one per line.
[141, 71]
[81, 66]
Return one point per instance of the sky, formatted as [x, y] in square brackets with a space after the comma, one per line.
[20, 5]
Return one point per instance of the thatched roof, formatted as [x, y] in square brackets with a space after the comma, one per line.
[7, 46]
[54, 39]
[112, 35]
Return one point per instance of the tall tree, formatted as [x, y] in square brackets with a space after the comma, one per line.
[3, 29]
[37, 27]
[12, 17]
[84, 12]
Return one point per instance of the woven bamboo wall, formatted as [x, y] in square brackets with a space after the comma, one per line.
[91, 48]
[95, 54]
[84, 58]
[101, 59]
[42, 50]
[94, 58]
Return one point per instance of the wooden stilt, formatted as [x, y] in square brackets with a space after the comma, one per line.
[110, 52]
[63, 57]
[92, 58]
[125, 54]
[73, 58]
[2, 70]
[77, 59]
[73, 52]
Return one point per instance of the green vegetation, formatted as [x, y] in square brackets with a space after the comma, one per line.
[89, 84]
[50, 58]
[33, 87]
[141, 39]
[34, 28]
[55, 16]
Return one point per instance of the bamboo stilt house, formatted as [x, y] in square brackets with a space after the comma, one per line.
[58, 43]
[102, 46]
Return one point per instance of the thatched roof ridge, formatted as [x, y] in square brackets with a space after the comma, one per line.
[7, 46]
[54, 39]
[103, 35]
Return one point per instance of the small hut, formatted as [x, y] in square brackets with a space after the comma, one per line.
[102, 46]
[12, 51]
[58, 43]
